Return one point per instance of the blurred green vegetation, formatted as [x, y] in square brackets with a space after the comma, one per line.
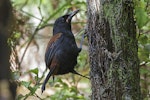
[142, 16]
[34, 16]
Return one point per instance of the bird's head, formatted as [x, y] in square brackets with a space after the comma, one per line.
[63, 23]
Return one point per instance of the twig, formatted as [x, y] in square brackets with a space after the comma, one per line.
[30, 15]
[38, 96]
[36, 30]
[45, 26]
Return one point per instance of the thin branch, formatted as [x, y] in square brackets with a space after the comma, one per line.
[32, 37]
[39, 8]
[24, 4]
[38, 96]
[45, 26]
[56, 12]
[30, 15]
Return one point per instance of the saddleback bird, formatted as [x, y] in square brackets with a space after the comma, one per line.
[62, 51]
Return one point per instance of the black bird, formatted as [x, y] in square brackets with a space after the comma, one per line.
[62, 51]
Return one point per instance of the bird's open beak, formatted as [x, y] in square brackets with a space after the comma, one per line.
[71, 15]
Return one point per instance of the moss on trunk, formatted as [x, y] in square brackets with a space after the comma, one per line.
[113, 50]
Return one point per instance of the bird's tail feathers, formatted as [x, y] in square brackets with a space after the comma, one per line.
[47, 78]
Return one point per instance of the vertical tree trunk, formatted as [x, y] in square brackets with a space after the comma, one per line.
[7, 89]
[113, 50]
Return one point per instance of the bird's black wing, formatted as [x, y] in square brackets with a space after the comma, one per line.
[52, 47]
[50, 56]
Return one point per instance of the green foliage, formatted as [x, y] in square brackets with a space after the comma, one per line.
[144, 48]
[35, 71]
[82, 59]
[40, 14]
[143, 23]
[140, 13]
[66, 92]
[29, 85]
[46, 12]
[13, 40]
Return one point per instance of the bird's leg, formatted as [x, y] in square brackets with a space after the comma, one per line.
[53, 78]
[74, 72]
[47, 78]
[45, 81]
[81, 43]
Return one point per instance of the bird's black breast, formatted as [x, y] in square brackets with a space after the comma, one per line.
[62, 51]
[67, 55]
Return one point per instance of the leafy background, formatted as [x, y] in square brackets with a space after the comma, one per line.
[34, 20]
